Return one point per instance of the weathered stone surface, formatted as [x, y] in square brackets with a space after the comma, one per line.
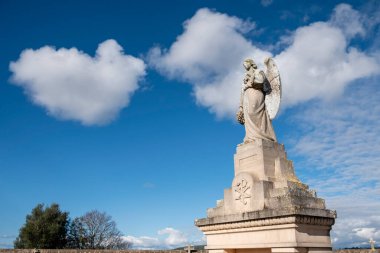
[264, 179]
[267, 207]
[301, 215]
[252, 111]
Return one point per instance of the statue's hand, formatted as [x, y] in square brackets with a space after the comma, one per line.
[240, 116]
[247, 79]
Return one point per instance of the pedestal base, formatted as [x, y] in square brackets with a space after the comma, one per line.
[267, 209]
[287, 231]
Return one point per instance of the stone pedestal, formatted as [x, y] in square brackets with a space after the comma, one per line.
[267, 209]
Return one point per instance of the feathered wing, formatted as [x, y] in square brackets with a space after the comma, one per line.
[273, 98]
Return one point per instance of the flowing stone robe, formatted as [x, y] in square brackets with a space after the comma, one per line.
[256, 119]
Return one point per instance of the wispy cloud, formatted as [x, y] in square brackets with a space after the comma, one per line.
[266, 3]
[149, 185]
[7, 236]
[340, 142]
[6, 245]
[72, 85]
[144, 242]
[166, 238]
[6, 241]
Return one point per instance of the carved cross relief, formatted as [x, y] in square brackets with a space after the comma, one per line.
[241, 188]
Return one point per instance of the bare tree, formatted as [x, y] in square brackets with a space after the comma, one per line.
[95, 230]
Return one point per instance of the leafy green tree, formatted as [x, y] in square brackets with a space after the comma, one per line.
[45, 228]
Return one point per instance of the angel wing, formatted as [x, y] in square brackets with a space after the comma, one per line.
[273, 98]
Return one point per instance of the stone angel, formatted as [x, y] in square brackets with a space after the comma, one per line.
[260, 100]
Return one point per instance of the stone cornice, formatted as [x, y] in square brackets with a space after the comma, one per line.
[273, 217]
[308, 220]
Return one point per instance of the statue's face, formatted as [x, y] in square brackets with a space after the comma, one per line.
[247, 65]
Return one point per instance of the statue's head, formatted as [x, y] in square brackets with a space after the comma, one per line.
[249, 63]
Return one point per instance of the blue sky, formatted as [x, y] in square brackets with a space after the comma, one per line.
[128, 107]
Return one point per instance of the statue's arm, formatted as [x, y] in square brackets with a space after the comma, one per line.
[247, 82]
[241, 97]
[240, 113]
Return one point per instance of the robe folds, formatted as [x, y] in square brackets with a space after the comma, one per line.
[256, 119]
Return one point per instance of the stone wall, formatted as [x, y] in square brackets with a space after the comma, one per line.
[144, 251]
[93, 251]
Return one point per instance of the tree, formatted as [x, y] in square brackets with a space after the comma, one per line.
[75, 235]
[95, 230]
[45, 228]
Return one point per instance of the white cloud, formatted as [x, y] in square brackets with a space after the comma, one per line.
[343, 134]
[72, 85]
[367, 232]
[174, 237]
[167, 238]
[318, 63]
[209, 55]
[323, 69]
[143, 242]
[266, 3]
[348, 20]
[346, 232]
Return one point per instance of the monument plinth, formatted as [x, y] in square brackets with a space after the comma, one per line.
[267, 209]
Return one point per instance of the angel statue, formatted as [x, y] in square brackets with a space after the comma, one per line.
[260, 100]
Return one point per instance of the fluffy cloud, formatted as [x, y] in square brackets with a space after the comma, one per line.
[317, 63]
[209, 55]
[174, 237]
[367, 232]
[167, 238]
[73, 85]
[322, 70]
[349, 231]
